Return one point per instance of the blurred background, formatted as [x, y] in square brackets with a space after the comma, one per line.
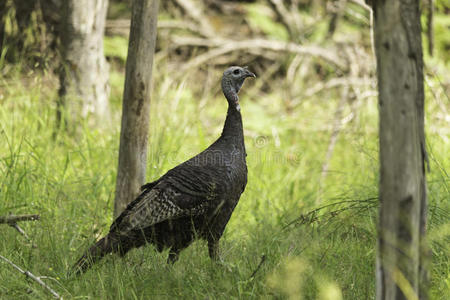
[306, 224]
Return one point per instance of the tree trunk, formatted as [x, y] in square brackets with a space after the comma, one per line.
[3, 13]
[401, 271]
[136, 103]
[84, 74]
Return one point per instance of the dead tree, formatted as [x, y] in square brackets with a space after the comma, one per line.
[136, 103]
[401, 259]
[84, 88]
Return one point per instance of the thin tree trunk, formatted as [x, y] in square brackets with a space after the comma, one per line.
[3, 12]
[136, 103]
[401, 259]
[84, 88]
[430, 31]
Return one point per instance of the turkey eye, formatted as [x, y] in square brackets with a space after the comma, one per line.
[236, 72]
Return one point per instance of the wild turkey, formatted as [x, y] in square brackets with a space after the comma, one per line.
[193, 200]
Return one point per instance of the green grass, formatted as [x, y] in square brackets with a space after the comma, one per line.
[70, 182]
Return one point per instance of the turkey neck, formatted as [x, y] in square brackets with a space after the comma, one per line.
[232, 128]
[233, 124]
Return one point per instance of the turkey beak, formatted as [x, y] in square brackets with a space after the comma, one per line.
[249, 74]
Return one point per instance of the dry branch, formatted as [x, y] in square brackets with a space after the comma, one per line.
[336, 10]
[195, 12]
[32, 276]
[12, 219]
[287, 17]
[223, 46]
[336, 82]
[22, 232]
[122, 26]
[362, 4]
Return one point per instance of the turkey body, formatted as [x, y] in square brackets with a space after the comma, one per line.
[194, 200]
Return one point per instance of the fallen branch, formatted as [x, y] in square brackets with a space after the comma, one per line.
[223, 46]
[22, 232]
[32, 276]
[12, 219]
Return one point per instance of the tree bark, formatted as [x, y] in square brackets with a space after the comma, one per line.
[401, 271]
[136, 103]
[84, 88]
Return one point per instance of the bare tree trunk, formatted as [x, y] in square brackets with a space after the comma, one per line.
[401, 259]
[84, 88]
[430, 31]
[3, 12]
[136, 103]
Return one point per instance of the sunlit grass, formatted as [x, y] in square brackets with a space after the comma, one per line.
[70, 182]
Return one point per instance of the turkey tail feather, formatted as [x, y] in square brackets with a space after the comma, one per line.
[93, 255]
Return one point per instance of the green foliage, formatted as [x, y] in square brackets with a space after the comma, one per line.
[441, 36]
[70, 182]
[260, 18]
[26, 38]
[116, 47]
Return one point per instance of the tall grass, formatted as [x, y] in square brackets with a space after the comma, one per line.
[70, 182]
